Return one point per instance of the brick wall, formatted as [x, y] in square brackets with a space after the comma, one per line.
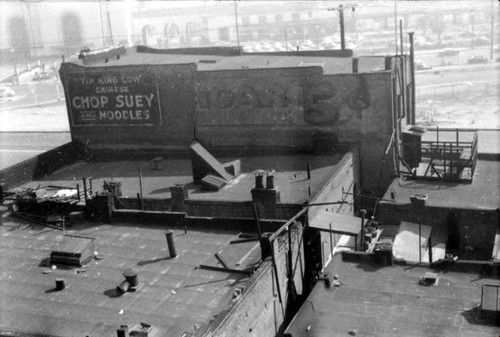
[258, 312]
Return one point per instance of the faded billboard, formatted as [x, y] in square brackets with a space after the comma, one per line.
[114, 97]
[283, 97]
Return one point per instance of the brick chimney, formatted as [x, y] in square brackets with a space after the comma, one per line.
[267, 197]
[179, 195]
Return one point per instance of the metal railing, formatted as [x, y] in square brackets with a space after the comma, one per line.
[449, 159]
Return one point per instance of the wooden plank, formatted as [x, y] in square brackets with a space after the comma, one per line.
[340, 224]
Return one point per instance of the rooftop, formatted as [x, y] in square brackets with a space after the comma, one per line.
[174, 295]
[290, 177]
[388, 301]
[330, 65]
[482, 193]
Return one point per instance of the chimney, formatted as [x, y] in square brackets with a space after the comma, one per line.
[270, 180]
[179, 195]
[268, 197]
[388, 63]
[259, 179]
[355, 63]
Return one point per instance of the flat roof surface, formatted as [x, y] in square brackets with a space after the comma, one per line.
[388, 301]
[482, 193]
[290, 177]
[331, 65]
[175, 296]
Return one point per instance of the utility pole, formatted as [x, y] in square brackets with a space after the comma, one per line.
[342, 33]
[340, 10]
[236, 21]
[31, 28]
[492, 30]
[396, 25]
[109, 23]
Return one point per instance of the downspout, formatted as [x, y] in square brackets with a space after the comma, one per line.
[412, 74]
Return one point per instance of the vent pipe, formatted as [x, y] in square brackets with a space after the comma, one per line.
[171, 244]
[131, 281]
[355, 65]
[131, 276]
[122, 331]
[60, 284]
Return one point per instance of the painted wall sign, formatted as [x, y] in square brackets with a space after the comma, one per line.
[282, 99]
[126, 97]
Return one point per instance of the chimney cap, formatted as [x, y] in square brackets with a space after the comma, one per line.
[259, 172]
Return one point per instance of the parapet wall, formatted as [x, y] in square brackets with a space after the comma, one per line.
[40, 165]
[267, 304]
[471, 228]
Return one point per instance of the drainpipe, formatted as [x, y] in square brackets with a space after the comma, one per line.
[362, 241]
[412, 74]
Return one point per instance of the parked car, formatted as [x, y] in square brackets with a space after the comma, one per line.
[7, 94]
[477, 59]
[44, 75]
[480, 41]
[419, 65]
[448, 52]
[468, 33]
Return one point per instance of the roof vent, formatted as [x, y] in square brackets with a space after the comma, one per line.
[207, 61]
[131, 282]
[73, 250]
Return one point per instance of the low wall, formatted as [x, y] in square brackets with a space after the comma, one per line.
[239, 209]
[40, 165]
[464, 227]
[180, 219]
